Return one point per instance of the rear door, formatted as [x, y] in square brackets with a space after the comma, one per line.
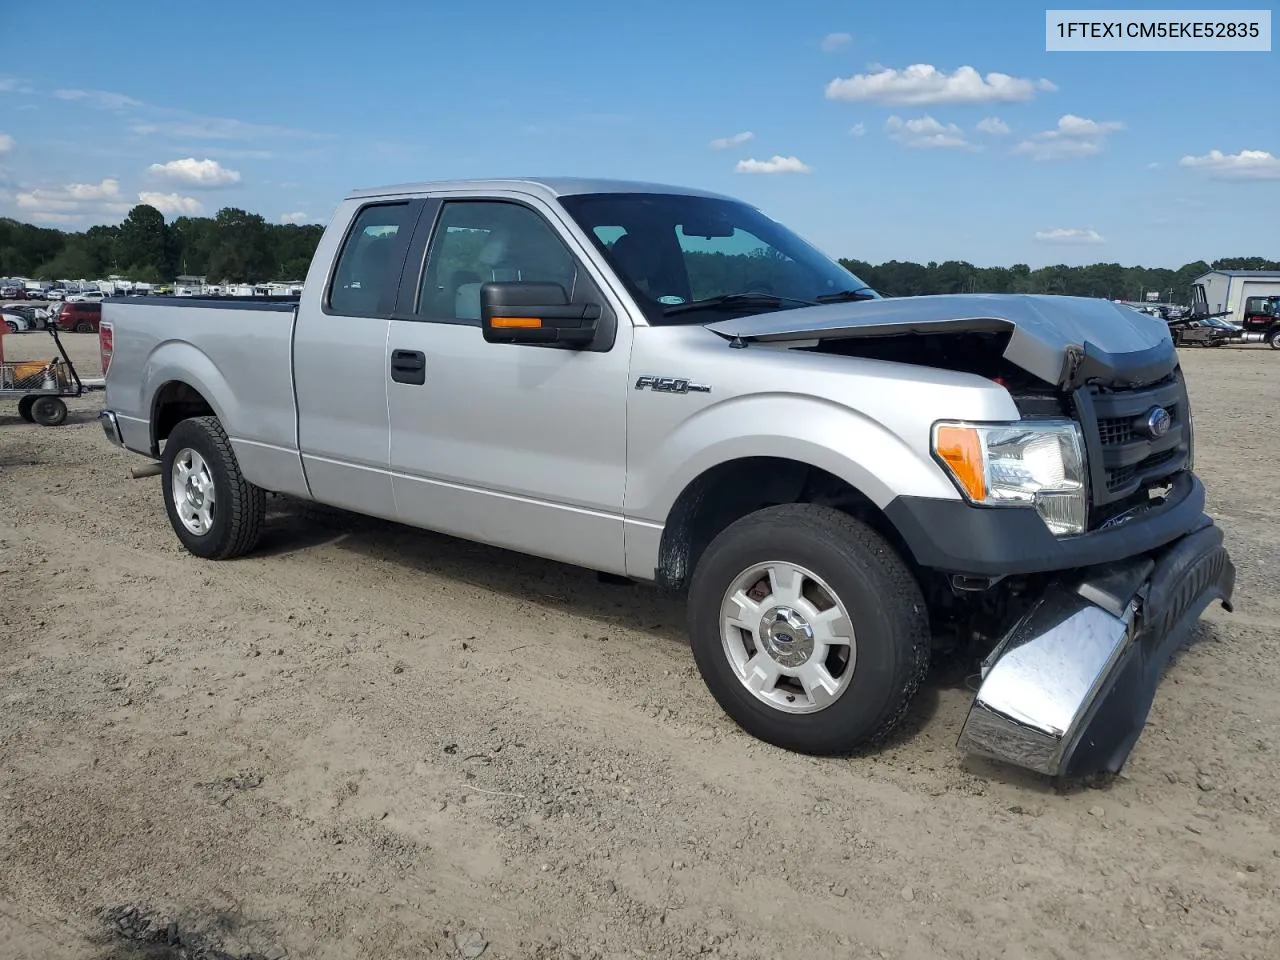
[340, 360]
[516, 445]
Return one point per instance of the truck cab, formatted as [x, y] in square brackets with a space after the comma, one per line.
[1261, 318]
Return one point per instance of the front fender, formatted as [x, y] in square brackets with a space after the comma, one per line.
[818, 432]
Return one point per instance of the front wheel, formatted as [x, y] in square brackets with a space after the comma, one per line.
[214, 510]
[1273, 338]
[808, 628]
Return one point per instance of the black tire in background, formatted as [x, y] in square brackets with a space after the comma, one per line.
[239, 506]
[1273, 338]
[48, 411]
[84, 326]
[880, 595]
[24, 409]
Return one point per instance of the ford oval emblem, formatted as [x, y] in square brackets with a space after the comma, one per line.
[1158, 422]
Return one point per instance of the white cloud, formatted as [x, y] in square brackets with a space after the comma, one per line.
[1153, 166]
[737, 140]
[14, 85]
[1070, 235]
[148, 118]
[73, 202]
[70, 197]
[172, 204]
[1073, 137]
[200, 174]
[775, 165]
[858, 129]
[926, 133]
[1245, 165]
[923, 83]
[6, 143]
[993, 125]
[835, 41]
[294, 218]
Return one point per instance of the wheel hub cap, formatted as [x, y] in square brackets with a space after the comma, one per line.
[786, 636]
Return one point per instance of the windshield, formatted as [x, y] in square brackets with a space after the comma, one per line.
[678, 253]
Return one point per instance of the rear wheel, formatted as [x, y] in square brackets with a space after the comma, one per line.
[808, 628]
[48, 411]
[84, 326]
[214, 510]
[24, 409]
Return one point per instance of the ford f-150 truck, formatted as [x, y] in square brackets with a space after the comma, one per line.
[668, 385]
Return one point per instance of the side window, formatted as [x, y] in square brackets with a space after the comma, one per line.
[482, 241]
[365, 278]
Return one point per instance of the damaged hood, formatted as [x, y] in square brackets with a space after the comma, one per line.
[1066, 341]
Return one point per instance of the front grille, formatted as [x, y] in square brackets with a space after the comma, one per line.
[1125, 459]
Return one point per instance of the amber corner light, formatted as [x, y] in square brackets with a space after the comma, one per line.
[961, 450]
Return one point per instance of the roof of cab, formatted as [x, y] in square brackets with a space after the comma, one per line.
[544, 187]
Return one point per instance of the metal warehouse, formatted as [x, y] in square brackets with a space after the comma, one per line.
[1227, 290]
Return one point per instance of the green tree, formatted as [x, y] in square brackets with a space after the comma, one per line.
[143, 241]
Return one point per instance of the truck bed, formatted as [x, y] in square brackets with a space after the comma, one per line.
[242, 365]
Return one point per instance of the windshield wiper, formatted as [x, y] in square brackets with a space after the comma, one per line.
[735, 299]
[857, 293]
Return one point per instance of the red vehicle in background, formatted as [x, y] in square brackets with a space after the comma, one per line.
[79, 317]
[1262, 319]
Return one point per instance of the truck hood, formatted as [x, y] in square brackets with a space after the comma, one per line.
[1066, 341]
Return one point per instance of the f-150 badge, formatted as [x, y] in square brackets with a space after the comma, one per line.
[670, 385]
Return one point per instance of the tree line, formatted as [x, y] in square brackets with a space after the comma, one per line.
[233, 245]
[237, 246]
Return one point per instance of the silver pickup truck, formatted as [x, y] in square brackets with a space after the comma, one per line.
[667, 385]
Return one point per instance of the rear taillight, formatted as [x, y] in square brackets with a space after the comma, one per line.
[104, 345]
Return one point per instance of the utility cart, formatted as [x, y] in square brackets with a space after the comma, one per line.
[41, 386]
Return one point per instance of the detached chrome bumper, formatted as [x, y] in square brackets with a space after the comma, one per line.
[111, 427]
[1068, 689]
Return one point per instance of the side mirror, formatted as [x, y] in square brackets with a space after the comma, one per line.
[534, 312]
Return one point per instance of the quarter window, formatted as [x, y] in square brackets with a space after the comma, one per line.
[368, 268]
[484, 241]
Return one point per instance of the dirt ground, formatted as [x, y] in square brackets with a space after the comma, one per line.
[366, 741]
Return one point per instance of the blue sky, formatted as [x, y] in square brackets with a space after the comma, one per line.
[990, 150]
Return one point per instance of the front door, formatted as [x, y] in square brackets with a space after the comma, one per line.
[340, 362]
[519, 446]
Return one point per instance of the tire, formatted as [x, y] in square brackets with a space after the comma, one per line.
[884, 606]
[1273, 338]
[84, 326]
[13, 327]
[232, 526]
[48, 411]
[24, 409]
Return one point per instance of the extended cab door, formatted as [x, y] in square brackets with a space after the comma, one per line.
[515, 445]
[340, 357]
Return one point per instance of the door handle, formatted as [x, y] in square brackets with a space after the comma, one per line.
[409, 366]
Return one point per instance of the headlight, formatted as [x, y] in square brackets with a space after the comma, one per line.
[1036, 463]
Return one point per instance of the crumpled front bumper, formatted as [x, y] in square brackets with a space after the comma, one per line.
[1067, 690]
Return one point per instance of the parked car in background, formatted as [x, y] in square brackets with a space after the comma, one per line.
[88, 296]
[79, 316]
[15, 322]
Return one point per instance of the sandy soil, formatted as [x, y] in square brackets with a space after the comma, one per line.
[366, 741]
